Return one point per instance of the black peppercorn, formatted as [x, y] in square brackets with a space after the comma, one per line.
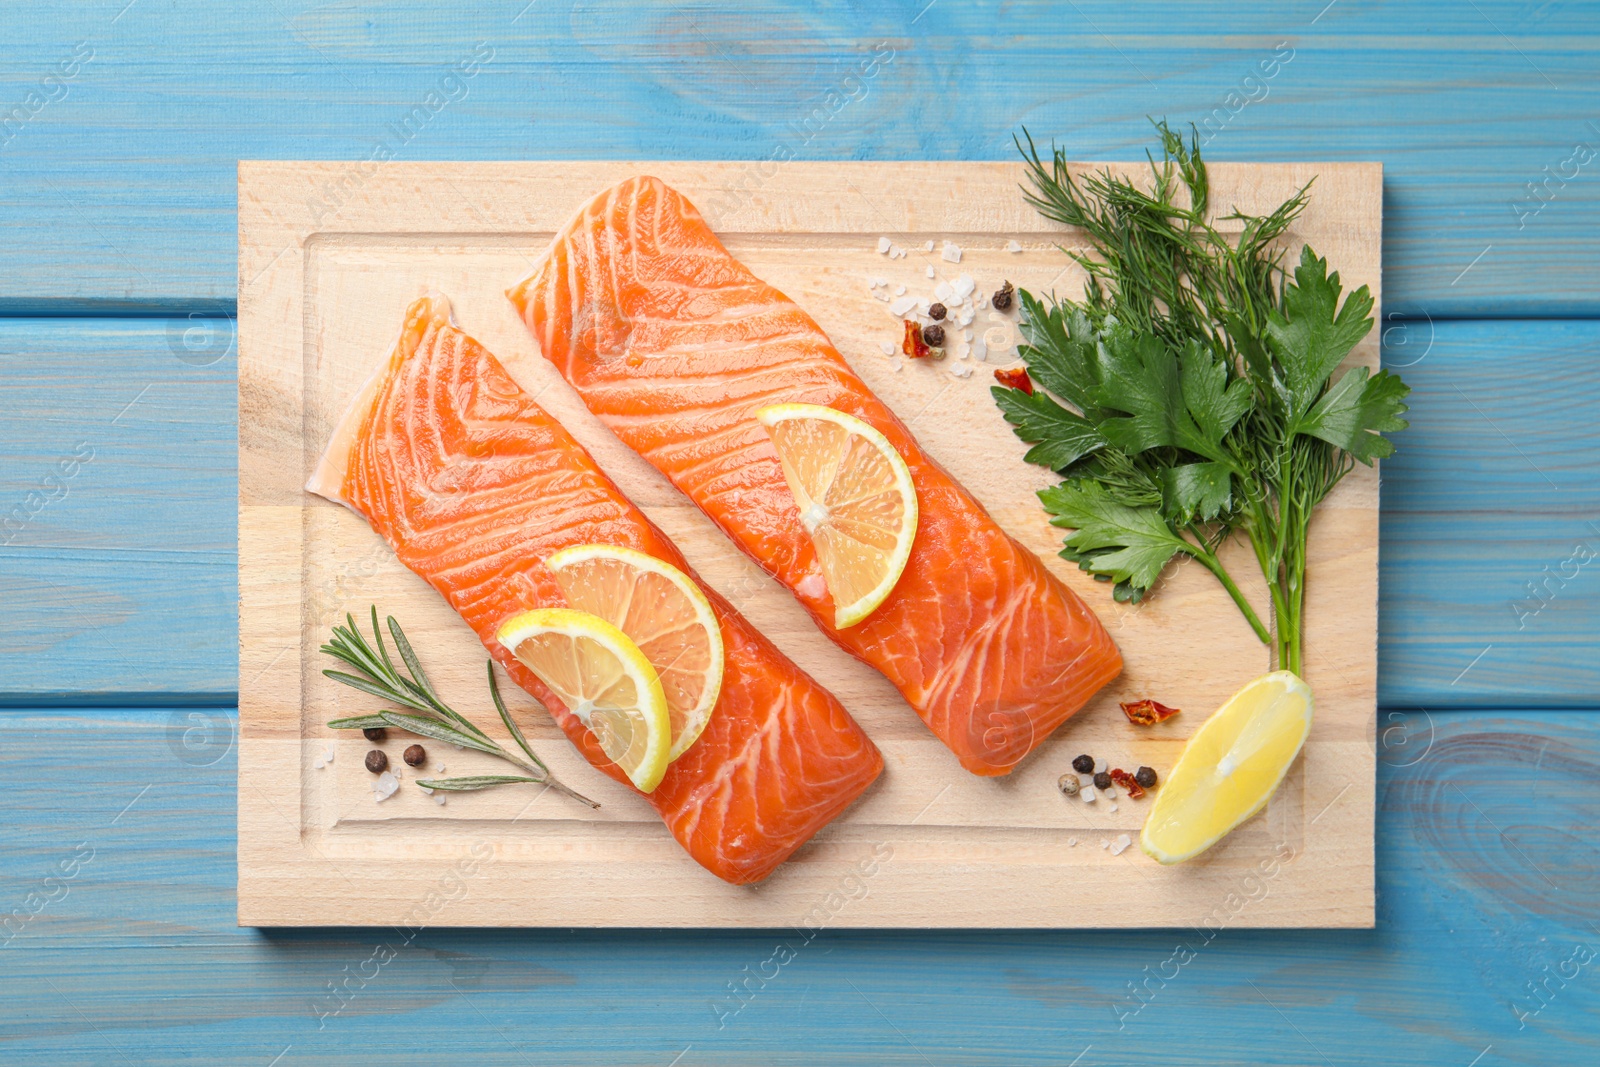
[1084, 764]
[933, 336]
[1145, 776]
[1102, 780]
[937, 312]
[1001, 301]
[377, 762]
[375, 733]
[415, 756]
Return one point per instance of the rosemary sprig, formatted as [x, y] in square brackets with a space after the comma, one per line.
[433, 718]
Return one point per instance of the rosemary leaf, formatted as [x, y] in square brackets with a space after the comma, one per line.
[375, 689]
[481, 781]
[360, 722]
[421, 686]
[383, 650]
[505, 717]
[426, 727]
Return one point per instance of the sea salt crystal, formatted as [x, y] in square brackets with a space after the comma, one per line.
[884, 244]
[928, 247]
[1012, 246]
[967, 334]
[929, 271]
[438, 798]
[439, 769]
[962, 370]
[1120, 844]
[385, 786]
[888, 348]
[425, 789]
[1072, 842]
[980, 351]
[1087, 793]
[897, 364]
[1112, 808]
[983, 300]
[964, 286]
[1105, 844]
[897, 252]
[879, 283]
[1110, 794]
[902, 304]
[945, 294]
[951, 253]
[899, 290]
[328, 752]
[965, 318]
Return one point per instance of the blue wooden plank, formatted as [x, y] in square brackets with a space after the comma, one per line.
[118, 474]
[119, 179]
[123, 581]
[1490, 556]
[119, 853]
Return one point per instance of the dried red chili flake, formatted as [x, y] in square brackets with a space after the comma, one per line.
[913, 345]
[1016, 378]
[1147, 712]
[1128, 782]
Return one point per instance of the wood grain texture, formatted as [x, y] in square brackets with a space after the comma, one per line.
[120, 192]
[941, 849]
[1486, 883]
[1468, 520]
[117, 473]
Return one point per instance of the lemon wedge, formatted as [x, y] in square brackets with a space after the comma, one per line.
[664, 613]
[603, 679]
[855, 498]
[1230, 768]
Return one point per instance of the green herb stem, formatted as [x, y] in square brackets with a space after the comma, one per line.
[1210, 562]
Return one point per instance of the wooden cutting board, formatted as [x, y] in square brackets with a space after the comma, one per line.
[329, 256]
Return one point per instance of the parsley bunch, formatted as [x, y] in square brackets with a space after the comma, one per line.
[1190, 393]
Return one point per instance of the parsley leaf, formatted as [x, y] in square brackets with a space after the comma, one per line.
[1127, 545]
[1311, 334]
[1060, 437]
[1355, 412]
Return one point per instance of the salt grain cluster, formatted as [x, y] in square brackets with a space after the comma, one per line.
[962, 300]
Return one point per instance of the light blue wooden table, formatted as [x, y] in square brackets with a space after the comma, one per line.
[120, 124]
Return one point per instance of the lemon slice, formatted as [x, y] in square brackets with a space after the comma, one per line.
[603, 679]
[855, 498]
[664, 613]
[1229, 768]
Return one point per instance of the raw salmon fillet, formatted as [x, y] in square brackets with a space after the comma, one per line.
[675, 345]
[474, 485]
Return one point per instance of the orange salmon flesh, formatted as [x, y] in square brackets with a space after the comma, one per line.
[675, 345]
[473, 485]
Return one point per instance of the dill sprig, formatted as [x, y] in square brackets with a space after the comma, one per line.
[432, 717]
